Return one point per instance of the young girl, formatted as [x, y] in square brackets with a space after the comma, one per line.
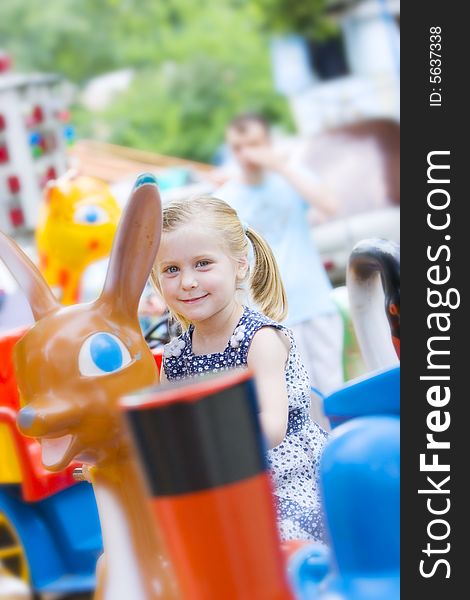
[200, 270]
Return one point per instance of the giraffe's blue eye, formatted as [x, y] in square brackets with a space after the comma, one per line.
[90, 214]
[101, 354]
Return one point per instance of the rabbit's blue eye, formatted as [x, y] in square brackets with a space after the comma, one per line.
[105, 352]
[102, 353]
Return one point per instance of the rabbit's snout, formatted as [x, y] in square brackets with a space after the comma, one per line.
[37, 421]
[26, 418]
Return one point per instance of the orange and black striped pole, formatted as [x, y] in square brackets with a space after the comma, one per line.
[201, 448]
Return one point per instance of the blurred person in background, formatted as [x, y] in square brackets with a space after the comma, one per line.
[274, 197]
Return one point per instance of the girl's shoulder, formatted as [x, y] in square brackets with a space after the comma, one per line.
[254, 320]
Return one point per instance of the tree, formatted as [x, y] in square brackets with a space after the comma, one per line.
[305, 17]
[196, 65]
[183, 108]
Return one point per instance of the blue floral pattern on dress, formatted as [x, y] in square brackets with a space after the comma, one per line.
[294, 462]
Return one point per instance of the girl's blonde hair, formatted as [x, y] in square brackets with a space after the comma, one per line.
[266, 287]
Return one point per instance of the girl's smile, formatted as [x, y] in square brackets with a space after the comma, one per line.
[193, 300]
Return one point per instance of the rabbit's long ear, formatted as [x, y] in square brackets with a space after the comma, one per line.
[39, 294]
[135, 247]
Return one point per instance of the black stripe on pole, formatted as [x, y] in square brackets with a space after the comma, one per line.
[186, 447]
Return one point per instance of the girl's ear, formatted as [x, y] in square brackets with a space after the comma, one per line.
[242, 268]
[39, 294]
[134, 248]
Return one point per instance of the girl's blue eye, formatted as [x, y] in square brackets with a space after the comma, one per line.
[101, 354]
[202, 263]
[171, 269]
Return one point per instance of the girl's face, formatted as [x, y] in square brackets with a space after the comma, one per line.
[197, 277]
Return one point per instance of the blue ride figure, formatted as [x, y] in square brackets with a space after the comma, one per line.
[360, 466]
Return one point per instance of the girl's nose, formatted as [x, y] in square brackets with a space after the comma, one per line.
[189, 282]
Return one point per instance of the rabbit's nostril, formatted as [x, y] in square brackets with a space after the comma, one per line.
[26, 417]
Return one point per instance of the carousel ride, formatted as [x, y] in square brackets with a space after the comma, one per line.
[185, 512]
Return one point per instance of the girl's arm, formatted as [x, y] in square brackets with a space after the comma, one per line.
[267, 357]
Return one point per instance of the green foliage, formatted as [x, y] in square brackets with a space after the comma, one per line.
[82, 38]
[305, 17]
[182, 109]
[196, 63]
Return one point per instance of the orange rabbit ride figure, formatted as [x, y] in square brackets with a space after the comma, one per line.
[72, 367]
[77, 222]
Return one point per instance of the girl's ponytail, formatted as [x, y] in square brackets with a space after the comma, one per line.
[266, 286]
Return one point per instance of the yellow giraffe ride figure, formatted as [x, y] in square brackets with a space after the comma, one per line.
[77, 222]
